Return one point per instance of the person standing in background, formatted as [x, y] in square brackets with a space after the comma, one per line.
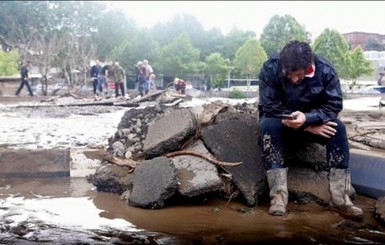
[24, 79]
[152, 83]
[95, 69]
[102, 78]
[148, 69]
[119, 78]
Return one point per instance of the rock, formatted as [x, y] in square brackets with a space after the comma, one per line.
[305, 185]
[233, 138]
[311, 155]
[169, 132]
[132, 129]
[154, 182]
[196, 175]
[112, 178]
[380, 208]
[118, 148]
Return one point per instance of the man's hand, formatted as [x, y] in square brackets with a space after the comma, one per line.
[326, 130]
[297, 122]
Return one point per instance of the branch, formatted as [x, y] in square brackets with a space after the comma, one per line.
[207, 158]
[119, 161]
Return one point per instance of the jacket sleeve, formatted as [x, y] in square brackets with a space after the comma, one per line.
[270, 97]
[332, 101]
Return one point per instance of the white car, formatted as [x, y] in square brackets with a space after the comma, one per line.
[374, 89]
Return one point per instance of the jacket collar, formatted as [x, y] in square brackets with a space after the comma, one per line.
[310, 71]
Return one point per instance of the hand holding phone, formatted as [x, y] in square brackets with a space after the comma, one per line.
[288, 117]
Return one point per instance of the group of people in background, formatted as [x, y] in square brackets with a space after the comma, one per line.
[109, 72]
[113, 72]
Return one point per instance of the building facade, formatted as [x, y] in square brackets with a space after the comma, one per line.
[356, 39]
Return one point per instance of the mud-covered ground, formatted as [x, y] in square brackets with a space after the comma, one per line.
[70, 211]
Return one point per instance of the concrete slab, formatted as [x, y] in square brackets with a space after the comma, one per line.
[367, 172]
[24, 163]
[84, 162]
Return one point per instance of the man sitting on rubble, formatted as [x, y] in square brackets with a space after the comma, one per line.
[305, 86]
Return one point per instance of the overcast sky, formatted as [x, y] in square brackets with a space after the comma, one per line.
[343, 16]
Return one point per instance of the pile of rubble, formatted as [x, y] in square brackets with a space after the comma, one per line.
[163, 152]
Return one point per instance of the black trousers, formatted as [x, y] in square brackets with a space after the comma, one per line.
[121, 87]
[275, 139]
[26, 83]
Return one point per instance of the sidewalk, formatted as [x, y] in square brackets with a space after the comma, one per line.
[21, 99]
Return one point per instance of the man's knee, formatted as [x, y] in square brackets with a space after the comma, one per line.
[270, 124]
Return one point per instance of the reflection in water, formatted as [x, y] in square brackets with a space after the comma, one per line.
[70, 210]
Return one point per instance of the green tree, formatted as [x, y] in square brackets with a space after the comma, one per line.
[249, 58]
[216, 68]
[55, 33]
[113, 28]
[166, 32]
[333, 46]
[358, 65]
[134, 49]
[180, 57]
[374, 44]
[233, 41]
[279, 31]
[9, 63]
[211, 41]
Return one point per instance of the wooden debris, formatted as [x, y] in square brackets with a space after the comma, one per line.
[150, 96]
[174, 103]
[119, 161]
[204, 156]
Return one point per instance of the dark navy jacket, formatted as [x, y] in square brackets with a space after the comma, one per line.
[95, 69]
[24, 73]
[318, 97]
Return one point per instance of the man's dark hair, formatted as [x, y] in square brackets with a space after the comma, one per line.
[296, 55]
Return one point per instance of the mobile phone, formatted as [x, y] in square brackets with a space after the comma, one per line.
[288, 117]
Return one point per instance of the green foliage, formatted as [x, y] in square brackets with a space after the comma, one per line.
[358, 65]
[279, 31]
[249, 58]
[137, 48]
[374, 44]
[166, 32]
[217, 68]
[113, 28]
[9, 63]
[333, 46]
[180, 57]
[236, 94]
[234, 40]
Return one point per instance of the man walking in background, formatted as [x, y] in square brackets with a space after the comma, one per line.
[24, 79]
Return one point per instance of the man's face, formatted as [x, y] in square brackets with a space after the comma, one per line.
[296, 76]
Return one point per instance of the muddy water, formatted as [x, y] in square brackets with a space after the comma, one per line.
[70, 211]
